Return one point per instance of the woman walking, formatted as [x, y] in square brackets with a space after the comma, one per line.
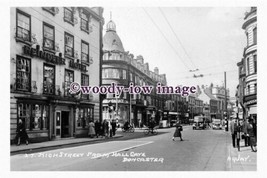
[252, 136]
[91, 127]
[177, 132]
[21, 133]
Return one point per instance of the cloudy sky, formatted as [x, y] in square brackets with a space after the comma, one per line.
[179, 39]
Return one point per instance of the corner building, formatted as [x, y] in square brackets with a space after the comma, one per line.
[247, 88]
[120, 67]
[51, 47]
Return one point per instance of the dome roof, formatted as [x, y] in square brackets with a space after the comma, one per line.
[111, 40]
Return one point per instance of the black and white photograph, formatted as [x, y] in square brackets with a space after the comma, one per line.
[125, 87]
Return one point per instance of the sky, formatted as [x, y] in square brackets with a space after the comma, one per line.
[180, 39]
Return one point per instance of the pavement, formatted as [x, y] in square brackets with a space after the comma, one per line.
[32, 147]
[243, 160]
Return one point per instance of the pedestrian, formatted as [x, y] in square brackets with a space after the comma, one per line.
[252, 136]
[97, 128]
[177, 132]
[21, 133]
[113, 127]
[106, 128]
[233, 129]
[245, 131]
[91, 127]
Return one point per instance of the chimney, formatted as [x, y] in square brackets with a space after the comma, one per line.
[156, 70]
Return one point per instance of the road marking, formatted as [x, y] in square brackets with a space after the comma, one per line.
[128, 148]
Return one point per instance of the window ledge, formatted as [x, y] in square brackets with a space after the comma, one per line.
[49, 11]
[67, 20]
[69, 57]
[23, 41]
[49, 50]
[86, 31]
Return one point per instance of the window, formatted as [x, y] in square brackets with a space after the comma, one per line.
[85, 52]
[255, 88]
[131, 77]
[255, 36]
[23, 26]
[85, 82]
[84, 116]
[124, 74]
[49, 37]
[69, 45]
[255, 63]
[111, 73]
[49, 79]
[248, 89]
[34, 116]
[69, 15]
[69, 78]
[248, 66]
[85, 22]
[23, 74]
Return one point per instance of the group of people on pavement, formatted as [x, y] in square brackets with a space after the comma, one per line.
[246, 130]
[103, 129]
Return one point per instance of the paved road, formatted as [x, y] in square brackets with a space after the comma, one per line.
[201, 150]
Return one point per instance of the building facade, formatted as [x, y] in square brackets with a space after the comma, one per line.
[51, 47]
[247, 88]
[122, 68]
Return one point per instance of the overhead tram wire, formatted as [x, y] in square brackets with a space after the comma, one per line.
[206, 75]
[166, 38]
[177, 37]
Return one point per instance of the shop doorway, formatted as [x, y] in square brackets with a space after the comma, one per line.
[65, 124]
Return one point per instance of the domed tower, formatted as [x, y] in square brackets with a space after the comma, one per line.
[111, 40]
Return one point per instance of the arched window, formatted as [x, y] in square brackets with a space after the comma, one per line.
[255, 35]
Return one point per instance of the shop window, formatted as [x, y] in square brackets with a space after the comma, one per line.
[85, 22]
[85, 116]
[49, 79]
[69, 78]
[69, 15]
[85, 82]
[69, 45]
[34, 116]
[85, 52]
[24, 113]
[49, 37]
[23, 26]
[23, 74]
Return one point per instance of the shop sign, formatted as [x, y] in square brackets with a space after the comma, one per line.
[77, 65]
[250, 102]
[49, 57]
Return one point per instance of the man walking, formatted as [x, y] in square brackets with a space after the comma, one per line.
[233, 129]
[245, 130]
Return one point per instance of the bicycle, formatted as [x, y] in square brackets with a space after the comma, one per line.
[130, 129]
[149, 130]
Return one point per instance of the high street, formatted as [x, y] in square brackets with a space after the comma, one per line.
[201, 150]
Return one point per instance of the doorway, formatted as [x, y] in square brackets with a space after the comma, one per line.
[65, 124]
